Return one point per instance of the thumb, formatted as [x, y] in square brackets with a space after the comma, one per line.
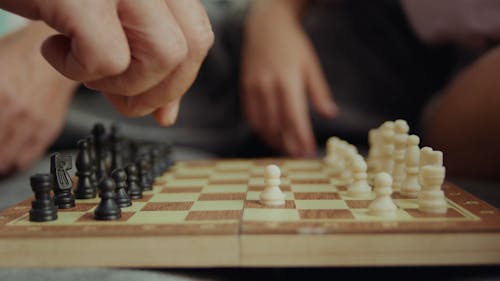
[319, 91]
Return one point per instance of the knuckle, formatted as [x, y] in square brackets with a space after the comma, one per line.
[201, 42]
[172, 54]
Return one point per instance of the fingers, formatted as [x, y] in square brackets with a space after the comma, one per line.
[167, 115]
[156, 42]
[89, 51]
[164, 97]
[318, 89]
[261, 108]
[297, 133]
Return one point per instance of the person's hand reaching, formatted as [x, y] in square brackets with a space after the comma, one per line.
[143, 55]
[33, 98]
[281, 73]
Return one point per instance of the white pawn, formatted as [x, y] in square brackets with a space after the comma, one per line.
[360, 186]
[410, 186]
[400, 138]
[272, 194]
[431, 199]
[383, 205]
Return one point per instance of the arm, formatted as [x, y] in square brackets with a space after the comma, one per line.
[463, 121]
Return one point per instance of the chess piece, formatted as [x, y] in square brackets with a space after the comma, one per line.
[144, 181]
[387, 148]
[134, 190]
[99, 133]
[382, 205]
[374, 152]
[272, 194]
[122, 198]
[400, 137]
[156, 159]
[107, 209]
[359, 187]
[93, 159]
[348, 153]
[116, 147]
[42, 208]
[334, 158]
[428, 156]
[85, 188]
[431, 198]
[410, 186]
[59, 167]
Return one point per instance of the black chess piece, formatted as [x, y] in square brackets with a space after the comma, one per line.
[122, 198]
[156, 161]
[166, 151]
[43, 207]
[100, 142]
[93, 159]
[144, 181]
[134, 190]
[59, 167]
[107, 209]
[150, 177]
[116, 147]
[85, 189]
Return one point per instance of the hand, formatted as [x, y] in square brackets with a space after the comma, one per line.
[143, 55]
[34, 98]
[281, 72]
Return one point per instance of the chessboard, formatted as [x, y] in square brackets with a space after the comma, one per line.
[208, 214]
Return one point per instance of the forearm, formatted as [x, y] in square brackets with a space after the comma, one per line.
[464, 121]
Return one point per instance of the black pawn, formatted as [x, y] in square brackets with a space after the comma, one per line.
[144, 177]
[120, 178]
[134, 190]
[43, 207]
[59, 167]
[107, 208]
[85, 188]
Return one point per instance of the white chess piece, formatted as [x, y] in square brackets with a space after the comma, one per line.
[431, 198]
[374, 153]
[382, 205]
[400, 137]
[272, 194]
[428, 156]
[410, 186]
[387, 148]
[333, 158]
[349, 151]
[360, 186]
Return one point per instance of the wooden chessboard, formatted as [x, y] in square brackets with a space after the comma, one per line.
[207, 213]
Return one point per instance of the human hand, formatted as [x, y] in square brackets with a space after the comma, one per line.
[143, 55]
[280, 74]
[34, 98]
